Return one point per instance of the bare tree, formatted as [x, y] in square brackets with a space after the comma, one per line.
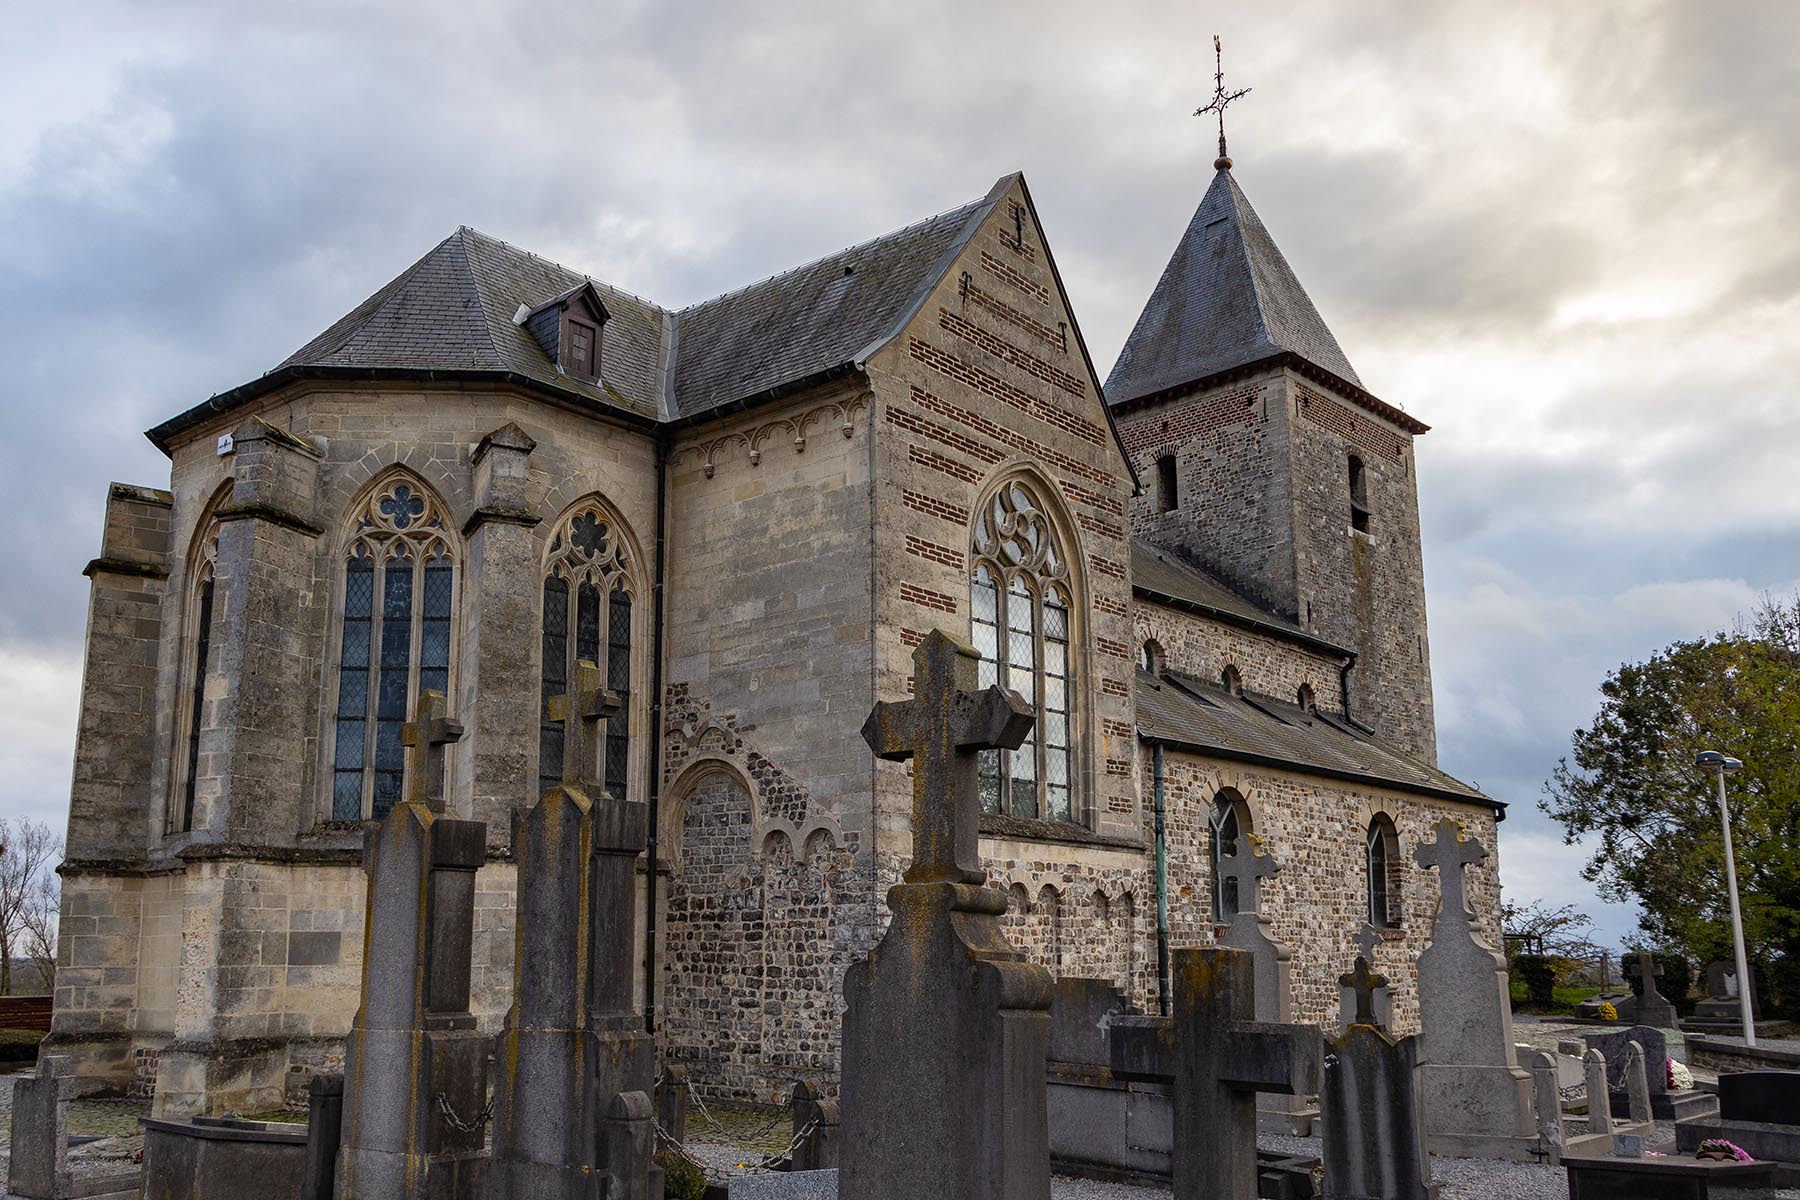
[29, 851]
[39, 927]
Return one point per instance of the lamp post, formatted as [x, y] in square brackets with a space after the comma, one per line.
[1722, 764]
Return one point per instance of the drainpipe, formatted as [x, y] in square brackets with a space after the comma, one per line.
[656, 699]
[1163, 980]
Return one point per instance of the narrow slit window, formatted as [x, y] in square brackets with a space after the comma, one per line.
[197, 699]
[1359, 496]
[1168, 497]
[1230, 827]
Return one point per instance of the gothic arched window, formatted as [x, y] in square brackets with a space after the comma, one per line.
[1383, 847]
[1020, 603]
[1229, 824]
[399, 603]
[587, 618]
[198, 618]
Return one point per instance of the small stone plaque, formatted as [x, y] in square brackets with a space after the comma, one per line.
[1628, 1145]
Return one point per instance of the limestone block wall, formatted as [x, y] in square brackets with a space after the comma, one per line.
[1234, 497]
[114, 747]
[359, 432]
[990, 380]
[1266, 664]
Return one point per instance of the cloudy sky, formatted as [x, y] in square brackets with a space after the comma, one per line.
[1563, 234]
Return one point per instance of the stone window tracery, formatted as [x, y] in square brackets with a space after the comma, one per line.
[587, 618]
[398, 607]
[200, 628]
[1020, 604]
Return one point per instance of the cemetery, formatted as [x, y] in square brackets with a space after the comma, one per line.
[1055, 1080]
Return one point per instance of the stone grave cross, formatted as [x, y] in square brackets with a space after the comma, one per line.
[1367, 940]
[1361, 980]
[425, 737]
[1219, 1057]
[1649, 973]
[1450, 852]
[579, 711]
[1653, 1008]
[1245, 871]
[943, 729]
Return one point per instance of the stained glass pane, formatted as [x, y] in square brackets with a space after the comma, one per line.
[1018, 608]
[553, 681]
[434, 634]
[1019, 649]
[1056, 620]
[1056, 728]
[618, 677]
[587, 624]
[984, 604]
[1056, 693]
[1020, 680]
[391, 683]
[1024, 781]
[1057, 806]
[197, 699]
[353, 691]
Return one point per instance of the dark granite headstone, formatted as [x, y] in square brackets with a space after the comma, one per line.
[1219, 1057]
[1721, 1003]
[1613, 1048]
[1772, 1097]
[574, 1068]
[815, 1135]
[946, 1025]
[1081, 1010]
[1374, 1131]
[413, 1050]
[1653, 1008]
[324, 1136]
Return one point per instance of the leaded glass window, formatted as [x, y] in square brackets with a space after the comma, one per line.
[1382, 845]
[1229, 825]
[587, 618]
[1020, 622]
[200, 622]
[399, 607]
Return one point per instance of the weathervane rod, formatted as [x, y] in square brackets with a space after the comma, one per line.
[1221, 99]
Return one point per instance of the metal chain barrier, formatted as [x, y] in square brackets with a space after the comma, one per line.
[457, 1123]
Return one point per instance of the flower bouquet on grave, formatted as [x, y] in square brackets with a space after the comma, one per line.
[1720, 1150]
[1606, 1012]
[1680, 1079]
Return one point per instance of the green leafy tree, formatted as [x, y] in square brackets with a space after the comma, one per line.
[1630, 791]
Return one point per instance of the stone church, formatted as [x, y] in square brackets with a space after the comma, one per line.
[1204, 574]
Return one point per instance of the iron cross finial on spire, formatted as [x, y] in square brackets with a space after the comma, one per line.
[1221, 99]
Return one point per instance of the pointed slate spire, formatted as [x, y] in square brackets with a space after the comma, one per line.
[1227, 298]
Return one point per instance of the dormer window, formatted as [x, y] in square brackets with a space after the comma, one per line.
[581, 350]
[568, 328]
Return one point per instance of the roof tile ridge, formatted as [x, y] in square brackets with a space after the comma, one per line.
[825, 258]
[600, 284]
[462, 235]
[386, 292]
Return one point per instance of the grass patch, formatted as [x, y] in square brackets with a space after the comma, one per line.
[19, 1045]
[1564, 1000]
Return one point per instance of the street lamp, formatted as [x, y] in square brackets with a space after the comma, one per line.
[1722, 764]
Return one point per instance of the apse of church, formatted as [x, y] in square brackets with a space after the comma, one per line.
[496, 469]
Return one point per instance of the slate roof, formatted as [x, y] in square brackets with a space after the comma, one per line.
[453, 311]
[1227, 299]
[828, 313]
[1187, 712]
[1162, 575]
[451, 314]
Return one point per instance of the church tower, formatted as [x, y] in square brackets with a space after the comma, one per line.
[1268, 463]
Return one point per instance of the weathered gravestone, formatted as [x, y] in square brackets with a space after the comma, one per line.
[1546, 1091]
[1599, 1120]
[946, 1025]
[415, 1069]
[815, 1137]
[1241, 874]
[1374, 1131]
[1219, 1057]
[574, 1069]
[39, 1166]
[1381, 996]
[1478, 1100]
[1720, 1008]
[1656, 1046]
[1637, 1085]
[1653, 1008]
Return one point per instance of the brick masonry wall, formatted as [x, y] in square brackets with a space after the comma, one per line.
[1205, 648]
[983, 384]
